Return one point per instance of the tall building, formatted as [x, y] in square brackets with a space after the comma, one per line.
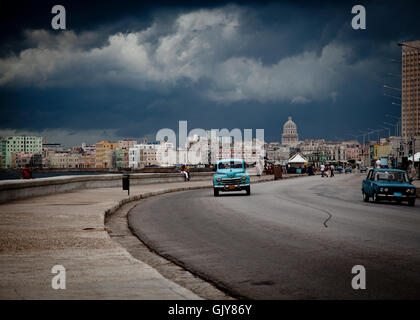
[105, 154]
[1, 152]
[410, 85]
[290, 135]
[15, 144]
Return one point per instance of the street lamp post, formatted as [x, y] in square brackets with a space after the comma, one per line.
[377, 134]
[389, 130]
[393, 125]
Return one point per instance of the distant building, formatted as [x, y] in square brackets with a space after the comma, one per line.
[290, 135]
[126, 144]
[210, 148]
[276, 153]
[382, 150]
[89, 155]
[320, 151]
[15, 144]
[65, 160]
[105, 154]
[122, 158]
[144, 154]
[1, 152]
[166, 154]
[410, 95]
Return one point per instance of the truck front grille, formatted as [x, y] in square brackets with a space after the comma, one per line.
[233, 181]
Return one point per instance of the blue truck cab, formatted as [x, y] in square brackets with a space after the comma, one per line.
[388, 184]
[231, 175]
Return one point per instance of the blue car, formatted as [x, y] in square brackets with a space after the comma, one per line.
[231, 175]
[388, 184]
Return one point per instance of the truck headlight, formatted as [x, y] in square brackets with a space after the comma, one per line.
[413, 190]
[218, 179]
[386, 189]
[243, 177]
[381, 189]
[409, 190]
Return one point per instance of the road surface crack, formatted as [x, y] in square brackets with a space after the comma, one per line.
[329, 214]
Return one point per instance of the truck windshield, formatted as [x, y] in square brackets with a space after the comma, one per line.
[391, 176]
[230, 165]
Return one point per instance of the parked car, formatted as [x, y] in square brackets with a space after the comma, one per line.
[348, 169]
[231, 175]
[363, 169]
[388, 184]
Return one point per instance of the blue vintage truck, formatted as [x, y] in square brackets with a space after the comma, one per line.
[231, 175]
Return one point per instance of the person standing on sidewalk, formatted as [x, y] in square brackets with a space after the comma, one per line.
[187, 170]
[184, 172]
[26, 173]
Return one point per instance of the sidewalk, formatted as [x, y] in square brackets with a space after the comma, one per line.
[417, 184]
[68, 229]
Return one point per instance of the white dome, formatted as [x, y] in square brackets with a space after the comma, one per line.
[290, 135]
[289, 124]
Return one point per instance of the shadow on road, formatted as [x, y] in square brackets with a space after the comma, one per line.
[232, 194]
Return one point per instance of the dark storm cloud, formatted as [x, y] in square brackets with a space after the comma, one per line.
[134, 68]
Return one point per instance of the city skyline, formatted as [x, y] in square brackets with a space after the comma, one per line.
[139, 68]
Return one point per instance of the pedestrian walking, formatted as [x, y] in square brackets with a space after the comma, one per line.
[322, 170]
[332, 171]
[258, 170]
[310, 170]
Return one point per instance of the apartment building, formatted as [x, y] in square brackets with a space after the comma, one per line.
[15, 144]
[105, 154]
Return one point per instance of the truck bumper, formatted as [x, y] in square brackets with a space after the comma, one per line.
[238, 187]
[392, 197]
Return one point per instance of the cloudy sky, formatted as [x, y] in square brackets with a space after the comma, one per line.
[128, 69]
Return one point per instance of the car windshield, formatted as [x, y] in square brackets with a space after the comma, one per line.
[230, 165]
[391, 176]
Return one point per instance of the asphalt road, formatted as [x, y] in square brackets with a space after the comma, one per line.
[291, 239]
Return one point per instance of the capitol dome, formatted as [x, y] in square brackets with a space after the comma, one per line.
[290, 136]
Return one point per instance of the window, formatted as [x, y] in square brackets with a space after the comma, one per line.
[391, 176]
[230, 165]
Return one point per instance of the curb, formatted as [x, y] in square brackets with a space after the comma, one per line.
[146, 195]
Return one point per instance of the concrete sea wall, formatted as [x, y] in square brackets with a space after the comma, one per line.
[21, 189]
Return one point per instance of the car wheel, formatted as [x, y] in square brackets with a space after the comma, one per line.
[375, 198]
[248, 191]
[365, 197]
[411, 202]
[216, 192]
